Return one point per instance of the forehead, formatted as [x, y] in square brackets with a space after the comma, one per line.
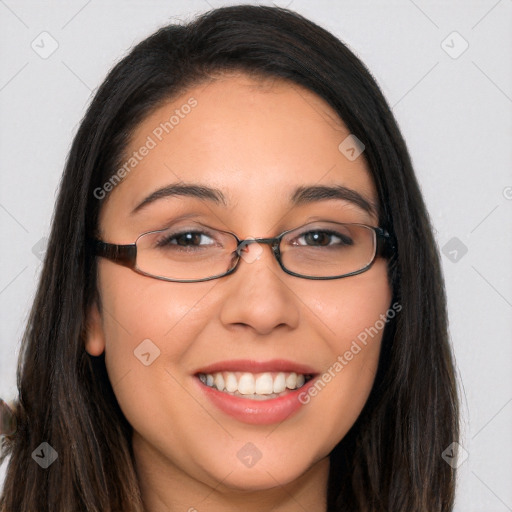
[256, 140]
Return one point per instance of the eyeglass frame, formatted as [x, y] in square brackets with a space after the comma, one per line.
[126, 254]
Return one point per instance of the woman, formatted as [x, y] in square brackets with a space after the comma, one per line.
[172, 361]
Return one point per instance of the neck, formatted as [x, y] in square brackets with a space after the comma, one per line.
[167, 488]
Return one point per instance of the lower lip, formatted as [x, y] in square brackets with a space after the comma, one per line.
[257, 412]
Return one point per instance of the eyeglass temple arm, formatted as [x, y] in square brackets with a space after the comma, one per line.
[122, 254]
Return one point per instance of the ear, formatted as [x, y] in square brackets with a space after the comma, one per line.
[94, 334]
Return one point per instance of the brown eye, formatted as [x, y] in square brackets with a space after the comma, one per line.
[185, 239]
[323, 238]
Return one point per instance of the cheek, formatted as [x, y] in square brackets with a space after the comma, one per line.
[355, 313]
[351, 306]
[146, 306]
[144, 316]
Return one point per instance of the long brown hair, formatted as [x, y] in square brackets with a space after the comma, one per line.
[390, 460]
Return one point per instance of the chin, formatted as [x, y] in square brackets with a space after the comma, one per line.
[264, 475]
[252, 480]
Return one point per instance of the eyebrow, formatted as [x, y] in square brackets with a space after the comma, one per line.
[300, 196]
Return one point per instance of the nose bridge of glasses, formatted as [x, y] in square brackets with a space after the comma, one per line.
[273, 242]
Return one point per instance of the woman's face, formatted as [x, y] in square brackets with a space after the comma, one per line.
[257, 143]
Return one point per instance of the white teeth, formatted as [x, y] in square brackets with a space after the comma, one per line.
[264, 384]
[291, 381]
[246, 384]
[267, 385]
[219, 381]
[279, 383]
[231, 382]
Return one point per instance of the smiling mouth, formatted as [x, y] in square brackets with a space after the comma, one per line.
[255, 386]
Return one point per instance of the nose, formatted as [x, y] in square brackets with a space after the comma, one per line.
[258, 294]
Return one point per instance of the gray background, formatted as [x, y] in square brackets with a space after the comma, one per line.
[453, 106]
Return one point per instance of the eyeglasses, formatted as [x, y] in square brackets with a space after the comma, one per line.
[196, 252]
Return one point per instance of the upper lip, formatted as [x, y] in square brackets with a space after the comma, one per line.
[251, 366]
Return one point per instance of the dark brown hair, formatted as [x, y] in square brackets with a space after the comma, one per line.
[390, 460]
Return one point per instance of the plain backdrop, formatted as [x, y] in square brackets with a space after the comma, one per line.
[445, 70]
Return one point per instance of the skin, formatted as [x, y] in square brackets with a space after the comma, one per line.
[256, 140]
